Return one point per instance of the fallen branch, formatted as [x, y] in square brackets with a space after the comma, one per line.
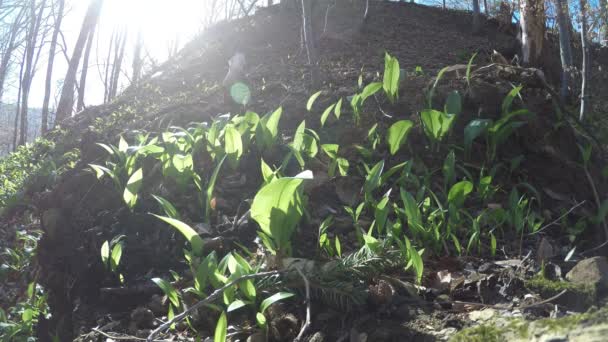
[558, 219]
[308, 309]
[207, 300]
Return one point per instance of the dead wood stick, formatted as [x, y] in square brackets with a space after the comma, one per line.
[209, 299]
[308, 309]
[559, 218]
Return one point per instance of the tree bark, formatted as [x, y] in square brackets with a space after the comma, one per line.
[604, 29]
[49, 69]
[476, 17]
[10, 49]
[532, 22]
[18, 110]
[119, 56]
[66, 102]
[565, 47]
[584, 71]
[85, 70]
[26, 83]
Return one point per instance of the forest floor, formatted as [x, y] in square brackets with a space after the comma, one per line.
[539, 281]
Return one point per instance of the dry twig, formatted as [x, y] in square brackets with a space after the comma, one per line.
[308, 309]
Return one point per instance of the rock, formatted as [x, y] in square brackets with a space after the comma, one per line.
[592, 271]
[317, 337]
[143, 318]
[257, 337]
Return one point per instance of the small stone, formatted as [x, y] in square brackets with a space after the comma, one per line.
[317, 337]
[143, 318]
[592, 271]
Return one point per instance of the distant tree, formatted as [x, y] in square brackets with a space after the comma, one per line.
[137, 58]
[476, 16]
[10, 42]
[32, 42]
[84, 71]
[584, 67]
[532, 22]
[565, 46]
[604, 25]
[119, 54]
[18, 109]
[58, 9]
[66, 101]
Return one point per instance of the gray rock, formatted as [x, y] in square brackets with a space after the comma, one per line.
[592, 271]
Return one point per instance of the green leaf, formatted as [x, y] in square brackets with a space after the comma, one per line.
[372, 180]
[123, 145]
[416, 259]
[133, 185]
[412, 213]
[338, 247]
[267, 172]
[343, 166]
[312, 99]
[370, 90]
[168, 289]
[459, 192]
[390, 80]
[116, 256]
[277, 208]
[105, 253]
[508, 100]
[474, 129]
[211, 187]
[449, 169]
[167, 207]
[326, 113]
[331, 150]
[397, 135]
[233, 143]
[469, 65]
[188, 232]
[266, 303]
[260, 319]
[27, 315]
[453, 103]
[432, 91]
[338, 109]
[221, 329]
[268, 129]
[237, 304]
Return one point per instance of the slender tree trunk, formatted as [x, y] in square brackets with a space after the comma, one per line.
[85, 70]
[565, 47]
[476, 17]
[604, 28]
[107, 79]
[584, 71]
[118, 65]
[16, 124]
[532, 21]
[10, 48]
[137, 59]
[66, 102]
[26, 82]
[485, 8]
[49, 69]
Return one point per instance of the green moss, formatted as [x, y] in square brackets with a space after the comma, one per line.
[548, 288]
[481, 333]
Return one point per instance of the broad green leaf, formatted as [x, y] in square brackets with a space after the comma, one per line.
[122, 145]
[338, 109]
[105, 253]
[474, 129]
[116, 256]
[331, 150]
[397, 135]
[168, 208]
[338, 247]
[27, 315]
[453, 104]
[277, 208]
[508, 100]
[237, 304]
[133, 186]
[168, 289]
[326, 113]
[312, 99]
[449, 170]
[432, 91]
[267, 172]
[266, 303]
[415, 259]
[381, 213]
[459, 192]
[260, 319]
[268, 129]
[372, 180]
[412, 212]
[221, 329]
[392, 72]
[188, 232]
[431, 120]
[343, 166]
[370, 90]
[233, 142]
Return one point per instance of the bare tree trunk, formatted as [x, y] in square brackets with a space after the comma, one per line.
[118, 65]
[32, 38]
[308, 39]
[532, 21]
[485, 7]
[604, 28]
[565, 47]
[49, 69]
[476, 17]
[85, 70]
[107, 80]
[10, 48]
[137, 59]
[66, 102]
[16, 125]
[584, 71]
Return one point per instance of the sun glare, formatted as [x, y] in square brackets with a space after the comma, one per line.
[160, 21]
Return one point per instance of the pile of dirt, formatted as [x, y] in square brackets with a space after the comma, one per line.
[79, 213]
